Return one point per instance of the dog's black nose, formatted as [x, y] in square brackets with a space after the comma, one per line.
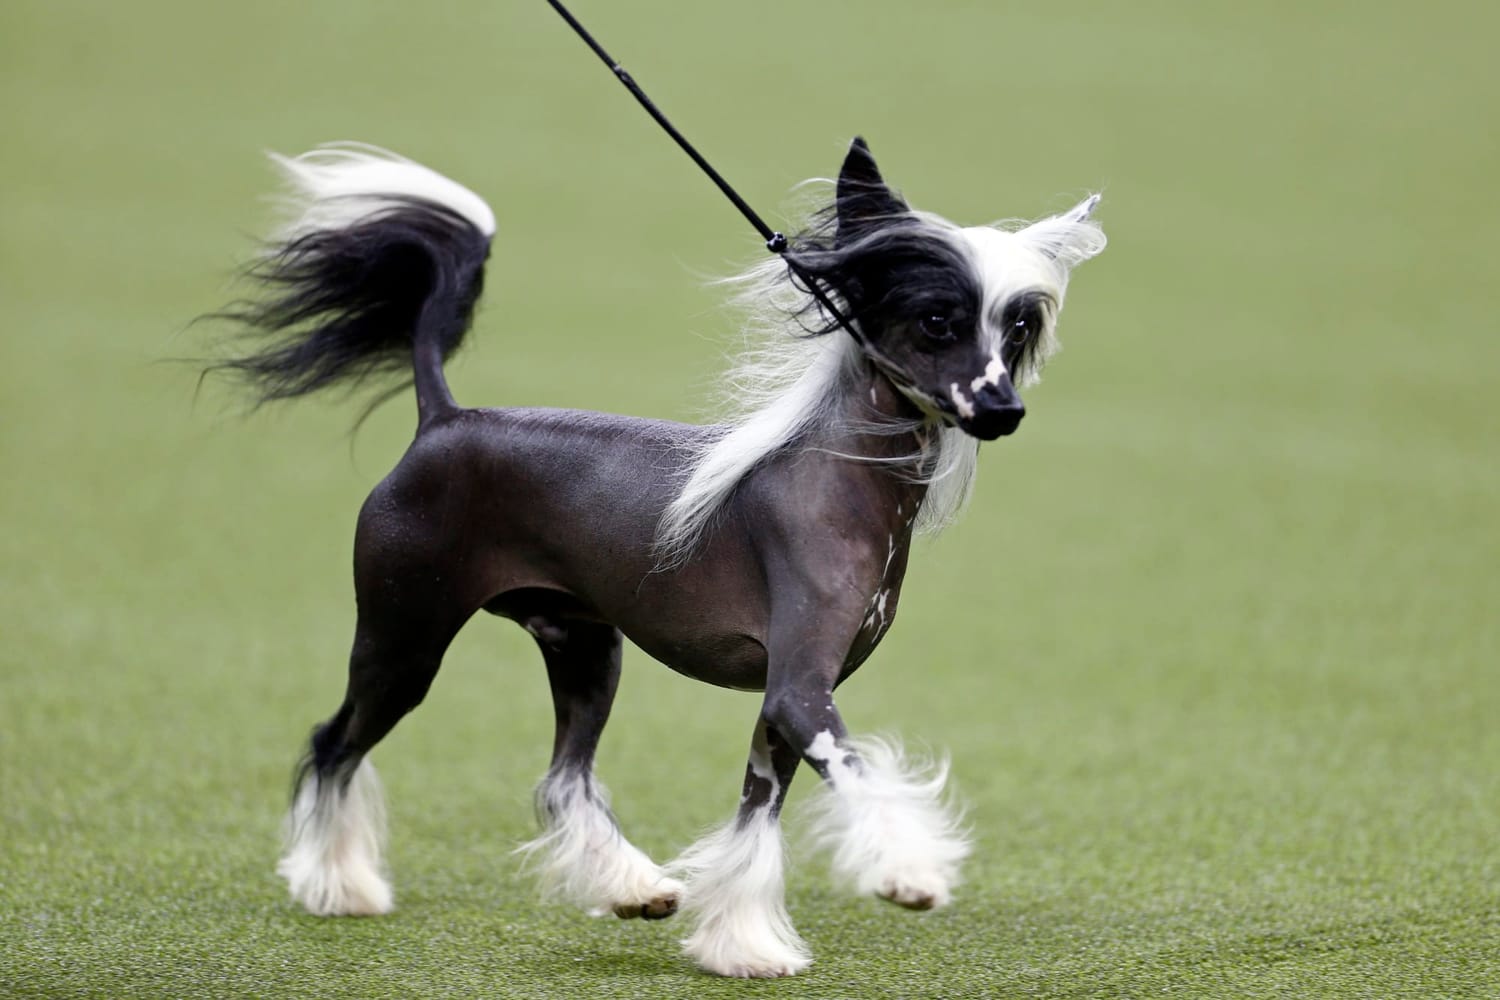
[994, 422]
[997, 411]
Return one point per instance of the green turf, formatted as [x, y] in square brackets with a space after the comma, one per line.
[1214, 650]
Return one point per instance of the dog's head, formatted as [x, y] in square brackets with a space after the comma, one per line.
[955, 317]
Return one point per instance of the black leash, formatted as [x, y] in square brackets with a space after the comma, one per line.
[775, 241]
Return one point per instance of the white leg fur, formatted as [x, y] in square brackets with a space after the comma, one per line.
[333, 846]
[885, 819]
[582, 857]
[735, 897]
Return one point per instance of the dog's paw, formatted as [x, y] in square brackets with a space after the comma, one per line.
[661, 904]
[915, 893]
[772, 969]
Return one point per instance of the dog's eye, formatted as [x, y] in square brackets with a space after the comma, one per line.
[937, 327]
[1022, 325]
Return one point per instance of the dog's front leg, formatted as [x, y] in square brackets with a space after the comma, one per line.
[735, 888]
[883, 816]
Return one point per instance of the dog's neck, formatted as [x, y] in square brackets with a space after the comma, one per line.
[874, 399]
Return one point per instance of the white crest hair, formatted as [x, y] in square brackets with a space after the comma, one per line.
[1012, 256]
[787, 383]
[341, 183]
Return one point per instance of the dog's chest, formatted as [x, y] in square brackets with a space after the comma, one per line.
[880, 611]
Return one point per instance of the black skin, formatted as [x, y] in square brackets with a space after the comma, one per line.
[547, 517]
[776, 600]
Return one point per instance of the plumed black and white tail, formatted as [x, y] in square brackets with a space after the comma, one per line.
[376, 273]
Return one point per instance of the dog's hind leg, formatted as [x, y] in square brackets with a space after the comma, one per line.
[581, 854]
[336, 829]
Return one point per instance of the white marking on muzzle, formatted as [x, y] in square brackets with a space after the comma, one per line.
[992, 374]
[961, 403]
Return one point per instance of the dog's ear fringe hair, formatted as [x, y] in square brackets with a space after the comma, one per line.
[1068, 241]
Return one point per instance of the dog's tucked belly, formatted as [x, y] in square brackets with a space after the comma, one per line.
[731, 661]
[714, 656]
[702, 627]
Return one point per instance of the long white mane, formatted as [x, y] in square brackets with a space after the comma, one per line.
[786, 387]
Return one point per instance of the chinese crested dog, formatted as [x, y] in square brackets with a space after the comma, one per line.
[765, 553]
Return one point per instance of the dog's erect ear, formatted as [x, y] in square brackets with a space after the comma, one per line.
[863, 196]
[1070, 238]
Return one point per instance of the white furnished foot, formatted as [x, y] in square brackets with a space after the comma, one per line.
[734, 897]
[885, 819]
[334, 838]
[582, 857]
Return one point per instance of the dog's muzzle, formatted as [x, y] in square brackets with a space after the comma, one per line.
[997, 412]
[997, 409]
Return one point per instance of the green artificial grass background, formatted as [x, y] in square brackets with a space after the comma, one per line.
[1214, 650]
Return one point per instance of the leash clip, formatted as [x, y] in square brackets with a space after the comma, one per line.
[777, 243]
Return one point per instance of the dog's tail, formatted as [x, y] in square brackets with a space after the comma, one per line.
[376, 274]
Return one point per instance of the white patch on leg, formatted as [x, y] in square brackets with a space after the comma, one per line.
[887, 823]
[583, 857]
[334, 839]
[735, 897]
